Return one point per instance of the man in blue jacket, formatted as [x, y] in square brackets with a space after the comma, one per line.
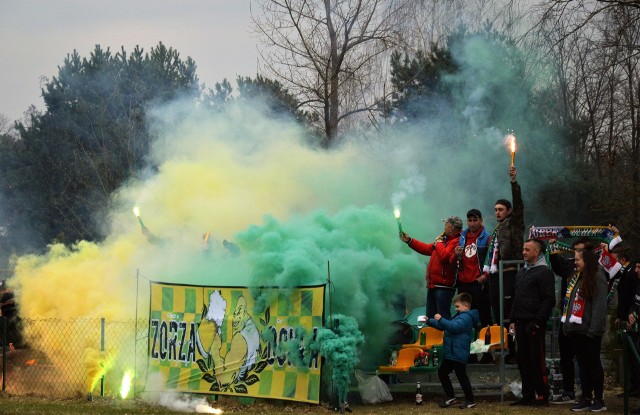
[471, 253]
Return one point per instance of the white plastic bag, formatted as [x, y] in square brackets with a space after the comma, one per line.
[516, 388]
[372, 389]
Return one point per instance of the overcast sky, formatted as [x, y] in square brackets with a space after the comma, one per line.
[36, 36]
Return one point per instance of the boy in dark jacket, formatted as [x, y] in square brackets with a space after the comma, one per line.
[456, 349]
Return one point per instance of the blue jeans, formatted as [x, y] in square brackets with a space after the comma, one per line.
[439, 301]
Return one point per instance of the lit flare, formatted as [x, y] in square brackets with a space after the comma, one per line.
[511, 139]
[126, 384]
[206, 409]
[136, 211]
[396, 213]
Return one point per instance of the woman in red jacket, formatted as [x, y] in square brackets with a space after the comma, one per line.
[442, 267]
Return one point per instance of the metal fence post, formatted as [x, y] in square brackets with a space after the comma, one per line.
[625, 370]
[3, 319]
[102, 353]
[135, 337]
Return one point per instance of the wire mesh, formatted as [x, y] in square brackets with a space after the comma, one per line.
[75, 358]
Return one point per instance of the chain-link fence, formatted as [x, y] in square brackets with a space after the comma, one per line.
[73, 358]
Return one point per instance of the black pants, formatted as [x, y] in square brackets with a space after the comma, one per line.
[13, 331]
[479, 299]
[567, 365]
[460, 369]
[591, 371]
[531, 360]
[634, 366]
[508, 287]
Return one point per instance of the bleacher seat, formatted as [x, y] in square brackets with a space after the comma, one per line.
[432, 337]
[495, 336]
[406, 358]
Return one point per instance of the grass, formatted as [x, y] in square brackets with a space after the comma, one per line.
[403, 403]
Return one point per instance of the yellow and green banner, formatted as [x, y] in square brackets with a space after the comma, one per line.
[216, 340]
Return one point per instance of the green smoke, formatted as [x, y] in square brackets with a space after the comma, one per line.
[341, 348]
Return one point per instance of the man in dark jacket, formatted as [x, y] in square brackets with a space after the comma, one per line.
[441, 271]
[534, 298]
[505, 245]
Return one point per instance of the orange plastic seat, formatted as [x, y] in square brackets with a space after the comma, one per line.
[406, 358]
[432, 337]
[495, 336]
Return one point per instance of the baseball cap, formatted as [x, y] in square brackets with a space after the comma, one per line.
[474, 213]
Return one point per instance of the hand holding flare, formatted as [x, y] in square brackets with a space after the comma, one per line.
[150, 237]
[396, 213]
[136, 211]
[511, 139]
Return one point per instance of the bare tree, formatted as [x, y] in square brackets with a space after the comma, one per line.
[325, 52]
[581, 12]
[424, 22]
[595, 47]
[6, 126]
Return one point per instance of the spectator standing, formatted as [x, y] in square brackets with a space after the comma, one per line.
[441, 270]
[584, 321]
[505, 245]
[625, 283]
[9, 311]
[534, 298]
[565, 268]
[471, 254]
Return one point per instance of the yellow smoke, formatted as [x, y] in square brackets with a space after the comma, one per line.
[209, 176]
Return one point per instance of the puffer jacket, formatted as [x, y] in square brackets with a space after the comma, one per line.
[456, 345]
[535, 294]
[442, 267]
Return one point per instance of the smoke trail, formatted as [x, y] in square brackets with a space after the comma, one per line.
[291, 209]
[176, 401]
[414, 184]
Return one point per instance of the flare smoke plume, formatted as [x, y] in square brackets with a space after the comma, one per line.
[290, 208]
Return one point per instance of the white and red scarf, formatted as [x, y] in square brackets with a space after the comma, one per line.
[491, 263]
[577, 309]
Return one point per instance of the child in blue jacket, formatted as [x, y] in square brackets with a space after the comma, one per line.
[456, 349]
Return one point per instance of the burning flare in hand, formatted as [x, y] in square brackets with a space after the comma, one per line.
[511, 140]
[136, 211]
[396, 213]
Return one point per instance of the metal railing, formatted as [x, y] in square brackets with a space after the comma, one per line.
[629, 350]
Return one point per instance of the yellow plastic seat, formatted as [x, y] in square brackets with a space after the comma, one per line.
[406, 358]
[432, 337]
[495, 336]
